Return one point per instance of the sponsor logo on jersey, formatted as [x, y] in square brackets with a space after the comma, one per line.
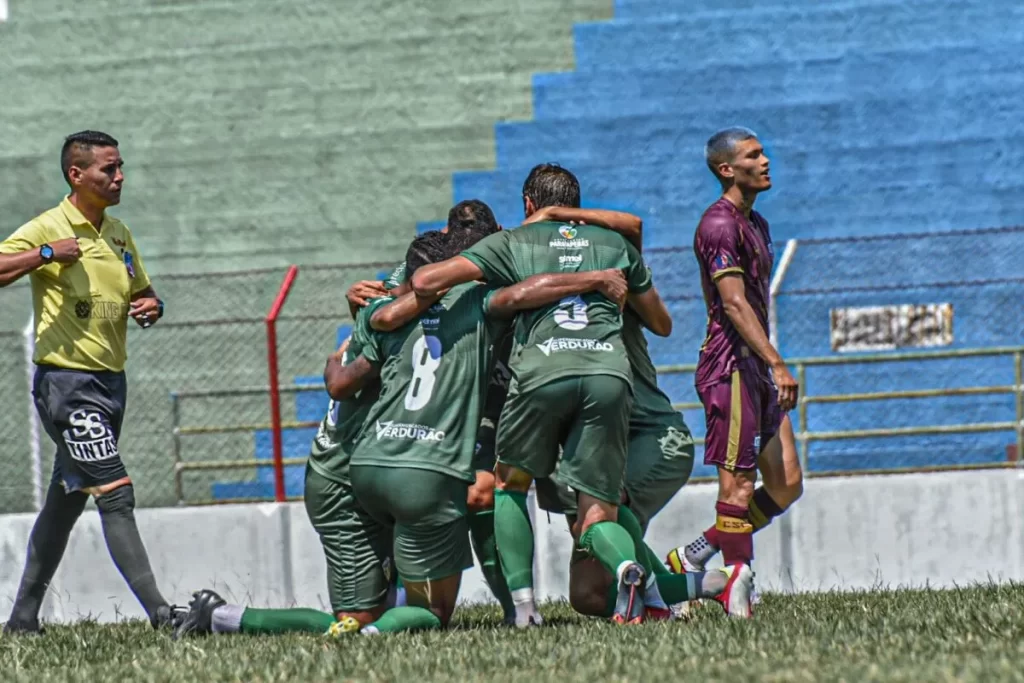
[569, 244]
[558, 344]
[567, 231]
[90, 438]
[570, 260]
[398, 430]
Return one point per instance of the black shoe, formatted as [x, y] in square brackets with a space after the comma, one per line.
[199, 618]
[23, 628]
[168, 616]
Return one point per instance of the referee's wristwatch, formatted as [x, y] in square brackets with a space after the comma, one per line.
[46, 253]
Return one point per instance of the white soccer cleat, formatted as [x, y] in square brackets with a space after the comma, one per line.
[735, 599]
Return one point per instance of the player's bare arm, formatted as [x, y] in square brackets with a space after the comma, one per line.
[344, 381]
[730, 288]
[361, 292]
[401, 311]
[15, 266]
[628, 225]
[437, 277]
[652, 311]
[540, 290]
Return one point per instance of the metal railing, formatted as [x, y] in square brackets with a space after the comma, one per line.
[805, 436]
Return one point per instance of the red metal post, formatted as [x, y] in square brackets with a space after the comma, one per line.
[275, 385]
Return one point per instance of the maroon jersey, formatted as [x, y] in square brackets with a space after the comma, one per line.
[727, 242]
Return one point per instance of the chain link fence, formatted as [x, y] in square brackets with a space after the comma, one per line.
[212, 339]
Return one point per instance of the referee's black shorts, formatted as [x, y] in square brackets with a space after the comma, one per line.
[82, 412]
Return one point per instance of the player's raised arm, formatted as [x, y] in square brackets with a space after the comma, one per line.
[402, 311]
[343, 380]
[540, 290]
[630, 226]
[429, 281]
[652, 311]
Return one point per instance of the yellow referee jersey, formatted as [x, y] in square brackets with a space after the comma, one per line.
[81, 310]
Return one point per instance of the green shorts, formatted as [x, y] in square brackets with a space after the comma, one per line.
[358, 550]
[659, 463]
[588, 416]
[484, 456]
[426, 511]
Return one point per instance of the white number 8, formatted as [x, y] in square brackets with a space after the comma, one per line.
[426, 357]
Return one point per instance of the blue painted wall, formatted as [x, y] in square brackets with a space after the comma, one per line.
[883, 117]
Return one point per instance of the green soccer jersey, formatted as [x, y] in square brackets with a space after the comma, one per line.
[335, 439]
[650, 403]
[434, 376]
[579, 335]
[396, 278]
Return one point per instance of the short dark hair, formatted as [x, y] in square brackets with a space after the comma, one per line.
[78, 144]
[425, 249]
[459, 240]
[722, 145]
[552, 185]
[472, 214]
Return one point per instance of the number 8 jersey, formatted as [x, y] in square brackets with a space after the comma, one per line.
[434, 375]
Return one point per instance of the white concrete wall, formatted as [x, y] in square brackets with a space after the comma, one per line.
[846, 533]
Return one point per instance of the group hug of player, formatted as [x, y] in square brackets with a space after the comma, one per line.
[494, 359]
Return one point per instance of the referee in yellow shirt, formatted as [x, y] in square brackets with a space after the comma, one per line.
[87, 280]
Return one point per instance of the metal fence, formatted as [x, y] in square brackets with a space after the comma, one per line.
[199, 408]
[212, 338]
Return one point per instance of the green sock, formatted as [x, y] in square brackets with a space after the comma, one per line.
[514, 534]
[275, 621]
[404, 619]
[481, 533]
[610, 544]
[647, 557]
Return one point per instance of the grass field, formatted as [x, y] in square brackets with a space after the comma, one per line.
[969, 634]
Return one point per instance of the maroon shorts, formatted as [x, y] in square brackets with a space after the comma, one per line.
[742, 414]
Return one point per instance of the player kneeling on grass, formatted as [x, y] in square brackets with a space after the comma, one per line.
[412, 468]
[360, 577]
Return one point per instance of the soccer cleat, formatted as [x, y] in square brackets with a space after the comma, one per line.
[199, 618]
[527, 615]
[680, 563]
[344, 626]
[735, 599]
[168, 616]
[629, 605]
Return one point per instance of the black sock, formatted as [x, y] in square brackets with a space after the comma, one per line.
[117, 512]
[45, 549]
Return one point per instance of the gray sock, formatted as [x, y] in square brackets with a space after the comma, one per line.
[227, 619]
[46, 547]
[708, 584]
[117, 513]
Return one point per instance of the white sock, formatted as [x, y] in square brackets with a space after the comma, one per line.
[227, 619]
[524, 597]
[700, 551]
[369, 630]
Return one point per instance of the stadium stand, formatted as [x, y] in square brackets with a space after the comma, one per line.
[884, 119]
